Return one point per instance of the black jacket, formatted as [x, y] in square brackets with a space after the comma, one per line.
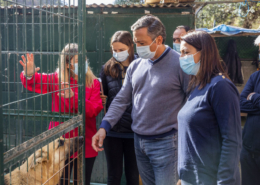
[111, 87]
[251, 136]
[233, 63]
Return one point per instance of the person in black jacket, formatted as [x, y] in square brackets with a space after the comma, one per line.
[233, 63]
[119, 143]
[250, 154]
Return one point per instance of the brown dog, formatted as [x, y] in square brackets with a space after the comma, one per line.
[45, 169]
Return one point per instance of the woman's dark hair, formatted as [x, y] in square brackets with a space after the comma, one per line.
[210, 64]
[125, 38]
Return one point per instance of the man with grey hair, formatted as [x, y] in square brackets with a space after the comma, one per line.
[156, 86]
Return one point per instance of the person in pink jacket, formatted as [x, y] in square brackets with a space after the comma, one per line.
[66, 101]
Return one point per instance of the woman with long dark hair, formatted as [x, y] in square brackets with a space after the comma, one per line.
[209, 123]
[119, 143]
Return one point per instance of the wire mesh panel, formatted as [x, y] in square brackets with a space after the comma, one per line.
[43, 67]
[41, 160]
[245, 46]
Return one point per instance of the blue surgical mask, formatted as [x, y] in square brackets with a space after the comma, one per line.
[76, 68]
[177, 47]
[121, 56]
[144, 51]
[188, 65]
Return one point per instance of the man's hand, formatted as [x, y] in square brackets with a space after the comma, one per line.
[179, 182]
[250, 95]
[98, 139]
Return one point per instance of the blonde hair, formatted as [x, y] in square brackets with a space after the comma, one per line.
[68, 52]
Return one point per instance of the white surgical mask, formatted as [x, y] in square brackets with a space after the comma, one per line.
[188, 65]
[121, 56]
[145, 52]
[76, 68]
[177, 47]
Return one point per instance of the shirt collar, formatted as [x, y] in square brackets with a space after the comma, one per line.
[161, 57]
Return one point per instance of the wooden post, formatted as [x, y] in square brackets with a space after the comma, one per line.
[102, 91]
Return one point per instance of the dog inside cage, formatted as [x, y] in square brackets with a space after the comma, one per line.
[46, 165]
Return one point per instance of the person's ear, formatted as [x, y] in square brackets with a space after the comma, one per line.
[197, 57]
[159, 40]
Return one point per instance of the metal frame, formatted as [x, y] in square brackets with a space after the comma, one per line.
[1, 122]
[46, 19]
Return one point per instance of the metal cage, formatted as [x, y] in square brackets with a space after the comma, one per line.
[30, 26]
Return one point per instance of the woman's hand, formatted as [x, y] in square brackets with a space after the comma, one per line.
[66, 92]
[104, 98]
[28, 65]
[251, 94]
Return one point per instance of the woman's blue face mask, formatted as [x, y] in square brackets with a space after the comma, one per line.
[177, 47]
[76, 68]
[188, 64]
[121, 56]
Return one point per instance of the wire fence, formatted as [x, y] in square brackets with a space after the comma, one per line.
[245, 46]
[41, 94]
[41, 160]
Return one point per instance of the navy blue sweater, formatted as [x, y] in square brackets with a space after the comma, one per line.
[210, 135]
[251, 131]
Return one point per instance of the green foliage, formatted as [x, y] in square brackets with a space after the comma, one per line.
[128, 2]
[33, 2]
[216, 14]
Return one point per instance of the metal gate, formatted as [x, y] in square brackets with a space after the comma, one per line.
[40, 28]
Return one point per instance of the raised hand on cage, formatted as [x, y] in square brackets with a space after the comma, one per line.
[66, 91]
[29, 67]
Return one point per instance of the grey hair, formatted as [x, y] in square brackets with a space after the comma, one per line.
[153, 24]
[257, 41]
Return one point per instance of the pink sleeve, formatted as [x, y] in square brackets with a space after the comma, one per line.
[38, 83]
[94, 105]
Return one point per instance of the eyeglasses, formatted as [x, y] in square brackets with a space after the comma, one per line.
[177, 39]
